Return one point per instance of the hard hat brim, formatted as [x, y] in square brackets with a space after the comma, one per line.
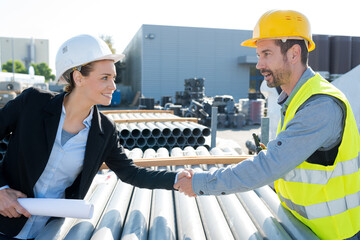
[252, 42]
[112, 57]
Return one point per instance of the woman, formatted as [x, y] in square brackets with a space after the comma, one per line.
[59, 141]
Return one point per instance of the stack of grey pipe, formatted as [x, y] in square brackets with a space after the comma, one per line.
[155, 134]
[126, 212]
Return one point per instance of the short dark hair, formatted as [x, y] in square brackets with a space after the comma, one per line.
[285, 46]
[85, 71]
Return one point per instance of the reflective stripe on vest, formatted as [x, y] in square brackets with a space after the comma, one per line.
[322, 177]
[324, 209]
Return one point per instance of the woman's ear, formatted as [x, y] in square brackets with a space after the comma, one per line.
[78, 78]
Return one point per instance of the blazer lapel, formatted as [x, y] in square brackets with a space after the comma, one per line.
[51, 120]
[94, 147]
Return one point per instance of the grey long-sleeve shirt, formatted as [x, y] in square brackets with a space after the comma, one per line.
[318, 124]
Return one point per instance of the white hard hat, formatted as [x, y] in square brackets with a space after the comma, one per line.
[80, 50]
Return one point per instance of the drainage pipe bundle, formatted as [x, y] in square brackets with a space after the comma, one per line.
[146, 135]
[162, 222]
[188, 221]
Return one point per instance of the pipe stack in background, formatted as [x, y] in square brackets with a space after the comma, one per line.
[137, 130]
[126, 212]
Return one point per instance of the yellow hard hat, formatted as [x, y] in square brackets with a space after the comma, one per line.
[281, 24]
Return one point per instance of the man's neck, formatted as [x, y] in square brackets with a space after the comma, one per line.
[294, 78]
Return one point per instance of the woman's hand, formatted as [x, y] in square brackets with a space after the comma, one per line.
[9, 206]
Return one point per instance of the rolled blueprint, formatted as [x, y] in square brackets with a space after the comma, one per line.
[72, 208]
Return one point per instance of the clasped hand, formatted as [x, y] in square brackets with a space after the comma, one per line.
[184, 182]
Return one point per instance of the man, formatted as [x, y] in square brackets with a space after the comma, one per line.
[315, 155]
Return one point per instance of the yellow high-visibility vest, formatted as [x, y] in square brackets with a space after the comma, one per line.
[325, 198]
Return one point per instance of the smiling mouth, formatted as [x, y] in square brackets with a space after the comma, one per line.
[109, 95]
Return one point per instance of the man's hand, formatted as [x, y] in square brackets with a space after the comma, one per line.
[9, 206]
[184, 184]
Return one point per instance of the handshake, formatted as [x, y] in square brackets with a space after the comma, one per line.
[184, 182]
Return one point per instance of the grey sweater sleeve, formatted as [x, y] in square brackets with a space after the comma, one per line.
[317, 124]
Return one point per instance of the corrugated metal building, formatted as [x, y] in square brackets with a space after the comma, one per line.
[159, 58]
[26, 50]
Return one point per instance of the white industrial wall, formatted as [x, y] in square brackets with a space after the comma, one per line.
[171, 54]
[22, 51]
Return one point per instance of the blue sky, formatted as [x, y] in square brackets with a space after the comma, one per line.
[58, 20]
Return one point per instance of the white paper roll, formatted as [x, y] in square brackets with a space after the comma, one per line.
[72, 208]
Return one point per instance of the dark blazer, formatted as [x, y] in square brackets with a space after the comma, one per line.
[33, 119]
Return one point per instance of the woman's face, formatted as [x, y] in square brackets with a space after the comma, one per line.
[99, 85]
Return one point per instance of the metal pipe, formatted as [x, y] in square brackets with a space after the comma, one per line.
[130, 142]
[185, 130]
[293, 226]
[83, 228]
[162, 222]
[113, 218]
[123, 130]
[161, 142]
[134, 130]
[269, 227]
[191, 141]
[200, 140]
[180, 140]
[145, 130]
[196, 132]
[205, 131]
[151, 142]
[155, 132]
[175, 131]
[165, 131]
[189, 225]
[140, 142]
[214, 111]
[171, 141]
[136, 224]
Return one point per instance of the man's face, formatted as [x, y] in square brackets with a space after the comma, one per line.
[273, 65]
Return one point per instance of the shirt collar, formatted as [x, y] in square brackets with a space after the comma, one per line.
[284, 98]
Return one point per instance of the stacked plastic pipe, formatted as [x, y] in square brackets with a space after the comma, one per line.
[124, 212]
[168, 134]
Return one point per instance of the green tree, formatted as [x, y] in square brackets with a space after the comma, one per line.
[109, 42]
[43, 69]
[8, 67]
